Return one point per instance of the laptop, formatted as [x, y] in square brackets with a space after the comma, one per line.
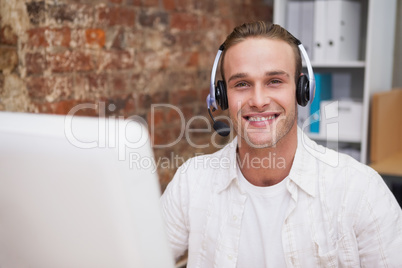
[79, 192]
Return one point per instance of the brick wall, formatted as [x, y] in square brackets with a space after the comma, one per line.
[127, 54]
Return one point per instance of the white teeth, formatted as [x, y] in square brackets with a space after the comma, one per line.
[260, 118]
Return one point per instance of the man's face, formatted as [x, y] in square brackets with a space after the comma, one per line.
[259, 75]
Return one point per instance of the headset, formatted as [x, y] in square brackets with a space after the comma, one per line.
[305, 89]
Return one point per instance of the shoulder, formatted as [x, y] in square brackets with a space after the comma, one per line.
[332, 164]
[337, 175]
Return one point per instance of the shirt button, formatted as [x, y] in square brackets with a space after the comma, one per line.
[234, 217]
[230, 257]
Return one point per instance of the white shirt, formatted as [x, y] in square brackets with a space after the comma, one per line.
[341, 213]
[264, 214]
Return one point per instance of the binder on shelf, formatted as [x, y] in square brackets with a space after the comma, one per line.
[307, 26]
[343, 30]
[341, 85]
[323, 91]
[300, 22]
[320, 15]
[336, 30]
[293, 20]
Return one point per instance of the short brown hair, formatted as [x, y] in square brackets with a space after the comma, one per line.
[265, 30]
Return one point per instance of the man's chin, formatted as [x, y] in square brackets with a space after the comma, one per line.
[260, 142]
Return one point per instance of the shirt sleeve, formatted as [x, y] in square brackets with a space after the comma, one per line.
[379, 228]
[174, 203]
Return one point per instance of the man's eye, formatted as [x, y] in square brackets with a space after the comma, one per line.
[275, 81]
[241, 84]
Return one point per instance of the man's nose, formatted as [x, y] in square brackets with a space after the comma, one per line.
[259, 98]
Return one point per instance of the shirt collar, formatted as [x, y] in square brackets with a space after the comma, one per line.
[228, 174]
[303, 172]
[304, 169]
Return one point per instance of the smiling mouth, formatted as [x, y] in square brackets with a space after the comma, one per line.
[257, 118]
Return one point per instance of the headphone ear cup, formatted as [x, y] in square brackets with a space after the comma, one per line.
[303, 90]
[220, 95]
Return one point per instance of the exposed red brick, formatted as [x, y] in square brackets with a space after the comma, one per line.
[169, 4]
[44, 37]
[154, 18]
[173, 116]
[134, 38]
[8, 58]
[145, 100]
[119, 84]
[188, 112]
[69, 61]
[91, 85]
[152, 60]
[118, 41]
[130, 106]
[184, 4]
[184, 97]
[203, 93]
[193, 59]
[35, 63]
[71, 13]
[115, 60]
[179, 114]
[1, 83]
[36, 11]
[36, 37]
[116, 1]
[186, 40]
[95, 37]
[50, 89]
[184, 21]
[156, 118]
[262, 11]
[58, 37]
[65, 106]
[150, 3]
[7, 36]
[137, 3]
[161, 136]
[164, 178]
[113, 16]
[208, 6]
[37, 87]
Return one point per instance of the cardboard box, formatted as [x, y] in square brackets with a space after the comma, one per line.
[386, 132]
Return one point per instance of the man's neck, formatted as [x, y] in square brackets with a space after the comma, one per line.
[268, 166]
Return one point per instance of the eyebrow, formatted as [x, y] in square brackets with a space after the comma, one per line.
[270, 73]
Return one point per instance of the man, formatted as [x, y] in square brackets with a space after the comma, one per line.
[271, 202]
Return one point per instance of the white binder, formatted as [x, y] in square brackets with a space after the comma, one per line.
[320, 21]
[293, 21]
[343, 30]
[307, 27]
